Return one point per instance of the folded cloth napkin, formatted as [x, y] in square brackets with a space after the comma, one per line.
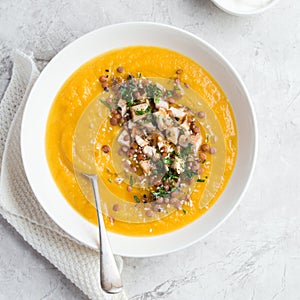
[18, 204]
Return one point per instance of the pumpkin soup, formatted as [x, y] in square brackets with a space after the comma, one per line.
[165, 144]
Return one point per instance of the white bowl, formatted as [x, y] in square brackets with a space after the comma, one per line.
[237, 8]
[68, 61]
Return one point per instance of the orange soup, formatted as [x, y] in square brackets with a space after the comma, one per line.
[151, 84]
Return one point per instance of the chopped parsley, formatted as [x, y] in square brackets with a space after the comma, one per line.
[160, 165]
[154, 92]
[106, 104]
[189, 173]
[136, 198]
[156, 99]
[184, 211]
[175, 153]
[132, 102]
[181, 131]
[161, 192]
[139, 112]
[171, 174]
[168, 161]
[126, 93]
[142, 111]
[169, 93]
[187, 150]
[200, 180]
[131, 180]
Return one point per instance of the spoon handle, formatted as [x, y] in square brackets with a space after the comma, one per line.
[109, 274]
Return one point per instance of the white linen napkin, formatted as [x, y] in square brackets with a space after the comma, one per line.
[18, 204]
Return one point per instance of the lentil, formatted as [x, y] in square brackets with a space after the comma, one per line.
[116, 207]
[201, 114]
[105, 148]
[113, 121]
[200, 171]
[177, 205]
[120, 69]
[102, 78]
[105, 84]
[202, 156]
[159, 200]
[205, 147]
[212, 150]
[149, 213]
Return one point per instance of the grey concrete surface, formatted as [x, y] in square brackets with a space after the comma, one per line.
[255, 254]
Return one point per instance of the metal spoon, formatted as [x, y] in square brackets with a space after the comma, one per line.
[110, 277]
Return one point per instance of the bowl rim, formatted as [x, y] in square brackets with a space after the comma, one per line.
[241, 13]
[114, 236]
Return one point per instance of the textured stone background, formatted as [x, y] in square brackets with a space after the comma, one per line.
[255, 254]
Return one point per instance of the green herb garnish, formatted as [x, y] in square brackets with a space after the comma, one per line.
[161, 192]
[142, 111]
[106, 104]
[168, 161]
[154, 92]
[131, 180]
[126, 93]
[175, 153]
[184, 211]
[169, 93]
[156, 99]
[187, 150]
[160, 165]
[181, 131]
[132, 102]
[139, 112]
[189, 173]
[171, 174]
[200, 180]
[136, 198]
